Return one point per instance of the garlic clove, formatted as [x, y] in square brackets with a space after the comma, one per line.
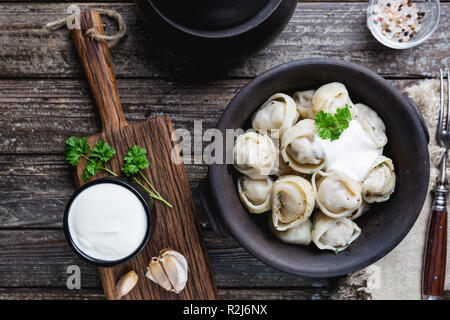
[126, 283]
[169, 270]
[157, 274]
[176, 272]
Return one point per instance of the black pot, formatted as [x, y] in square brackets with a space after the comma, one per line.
[143, 197]
[216, 31]
[383, 227]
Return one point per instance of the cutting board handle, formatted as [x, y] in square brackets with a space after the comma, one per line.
[96, 61]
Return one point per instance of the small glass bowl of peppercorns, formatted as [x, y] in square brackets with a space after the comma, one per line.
[402, 24]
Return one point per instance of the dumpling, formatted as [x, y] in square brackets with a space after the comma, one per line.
[337, 195]
[379, 183]
[361, 210]
[300, 234]
[283, 169]
[276, 115]
[303, 99]
[329, 97]
[254, 155]
[372, 124]
[292, 202]
[333, 234]
[300, 149]
[255, 193]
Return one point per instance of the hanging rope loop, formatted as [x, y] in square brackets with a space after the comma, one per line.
[92, 33]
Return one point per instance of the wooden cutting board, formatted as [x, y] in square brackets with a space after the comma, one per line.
[177, 227]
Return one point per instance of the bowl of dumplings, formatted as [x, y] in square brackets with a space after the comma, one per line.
[330, 167]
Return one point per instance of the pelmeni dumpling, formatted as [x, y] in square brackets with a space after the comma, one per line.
[361, 210]
[276, 115]
[300, 149]
[255, 155]
[283, 169]
[372, 124]
[379, 183]
[300, 234]
[303, 99]
[333, 234]
[329, 97]
[255, 193]
[292, 202]
[337, 195]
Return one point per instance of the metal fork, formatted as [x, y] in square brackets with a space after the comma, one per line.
[436, 250]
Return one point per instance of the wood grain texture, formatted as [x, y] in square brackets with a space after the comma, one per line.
[435, 255]
[227, 294]
[97, 66]
[39, 258]
[319, 29]
[40, 114]
[177, 227]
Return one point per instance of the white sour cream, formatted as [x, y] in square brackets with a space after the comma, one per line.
[353, 153]
[107, 221]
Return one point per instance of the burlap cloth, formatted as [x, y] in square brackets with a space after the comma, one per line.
[399, 274]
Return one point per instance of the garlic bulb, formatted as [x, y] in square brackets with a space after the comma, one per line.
[126, 283]
[169, 270]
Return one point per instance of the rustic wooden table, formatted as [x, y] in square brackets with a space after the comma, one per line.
[44, 99]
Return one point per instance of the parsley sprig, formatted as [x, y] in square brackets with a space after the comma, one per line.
[331, 126]
[134, 162]
[76, 149]
[97, 159]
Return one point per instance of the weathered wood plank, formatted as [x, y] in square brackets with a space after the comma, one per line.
[35, 190]
[61, 108]
[227, 294]
[38, 115]
[317, 29]
[38, 258]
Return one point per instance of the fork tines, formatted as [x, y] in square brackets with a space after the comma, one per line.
[441, 127]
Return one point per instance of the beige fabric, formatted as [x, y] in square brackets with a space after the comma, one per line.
[399, 274]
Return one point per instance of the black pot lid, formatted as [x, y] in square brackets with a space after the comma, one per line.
[210, 14]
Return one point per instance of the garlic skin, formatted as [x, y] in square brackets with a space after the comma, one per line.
[126, 283]
[169, 270]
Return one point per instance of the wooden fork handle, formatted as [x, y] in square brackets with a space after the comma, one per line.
[436, 252]
[97, 65]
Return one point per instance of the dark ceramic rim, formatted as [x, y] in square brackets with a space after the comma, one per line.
[99, 262]
[250, 24]
[216, 171]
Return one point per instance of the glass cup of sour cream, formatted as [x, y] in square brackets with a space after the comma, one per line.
[107, 222]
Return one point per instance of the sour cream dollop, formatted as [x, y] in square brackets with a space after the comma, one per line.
[107, 221]
[353, 153]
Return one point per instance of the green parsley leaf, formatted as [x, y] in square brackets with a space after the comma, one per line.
[91, 168]
[75, 149]
[135, 159]
[331, 126]
[102, 151]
